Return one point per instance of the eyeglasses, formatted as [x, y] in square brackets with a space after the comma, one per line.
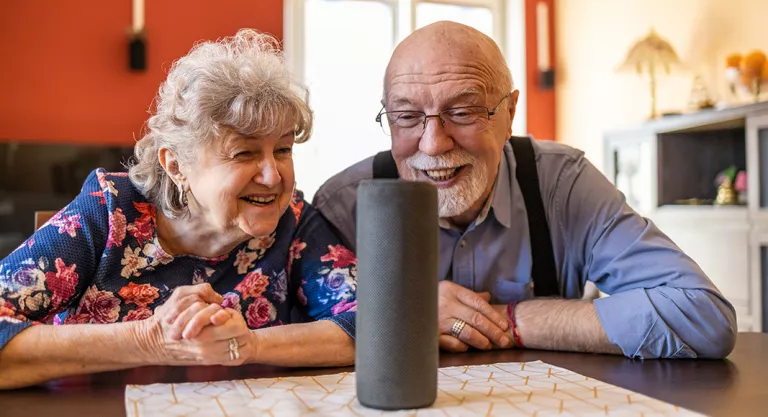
[411, 122]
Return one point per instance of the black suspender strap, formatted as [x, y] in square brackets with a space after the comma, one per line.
[543, 272]
[384, 166]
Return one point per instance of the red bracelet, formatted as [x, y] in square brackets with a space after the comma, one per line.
[515, 334]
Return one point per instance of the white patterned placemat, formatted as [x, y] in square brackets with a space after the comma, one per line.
[503, 389]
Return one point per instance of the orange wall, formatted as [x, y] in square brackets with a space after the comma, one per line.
[64, 69]
[541, 121]
[64, 74]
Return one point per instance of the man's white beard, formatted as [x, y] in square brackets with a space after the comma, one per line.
[458, 198]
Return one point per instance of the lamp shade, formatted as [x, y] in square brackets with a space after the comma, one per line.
[652, 50]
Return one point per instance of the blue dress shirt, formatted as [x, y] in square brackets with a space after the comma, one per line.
[660, 303]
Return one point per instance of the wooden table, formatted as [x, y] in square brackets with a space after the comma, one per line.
[737, 386]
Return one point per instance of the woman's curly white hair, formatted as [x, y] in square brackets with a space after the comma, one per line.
[237, 84]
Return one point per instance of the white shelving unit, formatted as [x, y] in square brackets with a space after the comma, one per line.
[660, 163]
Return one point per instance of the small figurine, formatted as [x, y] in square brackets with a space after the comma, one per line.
[700, 99]
[726, 195]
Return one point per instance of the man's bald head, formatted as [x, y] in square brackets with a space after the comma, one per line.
[457, 75]
[438, 47]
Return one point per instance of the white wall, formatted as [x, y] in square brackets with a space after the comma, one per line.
[593, 37]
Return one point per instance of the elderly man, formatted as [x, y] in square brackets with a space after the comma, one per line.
[514, 213]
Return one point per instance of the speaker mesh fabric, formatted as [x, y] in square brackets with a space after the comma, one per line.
[397, 336]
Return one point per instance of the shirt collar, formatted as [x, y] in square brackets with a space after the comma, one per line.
[499, 202]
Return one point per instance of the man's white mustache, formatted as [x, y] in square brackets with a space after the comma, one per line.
[425, 162]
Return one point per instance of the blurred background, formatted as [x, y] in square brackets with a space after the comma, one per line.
[668, 98]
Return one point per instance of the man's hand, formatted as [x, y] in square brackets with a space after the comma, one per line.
[485, 327]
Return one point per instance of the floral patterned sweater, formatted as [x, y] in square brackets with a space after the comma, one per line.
[99, 261]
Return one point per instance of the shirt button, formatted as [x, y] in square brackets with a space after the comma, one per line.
[463, 243]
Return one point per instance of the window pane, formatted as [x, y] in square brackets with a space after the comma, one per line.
[480, 18]
[347, 47]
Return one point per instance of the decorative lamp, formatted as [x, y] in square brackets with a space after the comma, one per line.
[649, 55]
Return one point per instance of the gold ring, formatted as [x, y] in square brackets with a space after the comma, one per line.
[457, 327]
[234, 349]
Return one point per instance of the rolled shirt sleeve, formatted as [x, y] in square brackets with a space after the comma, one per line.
[661, 304]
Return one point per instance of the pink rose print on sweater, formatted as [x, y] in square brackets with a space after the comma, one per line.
[78, 319]
[116, 228]
[232, 300]
[62, 282]
[341, 256]
[260, 312]
[142, 229]
[147, 210]
[100, 306]
[253, 285]
[139, 294]
[67, 224]
[140, 313]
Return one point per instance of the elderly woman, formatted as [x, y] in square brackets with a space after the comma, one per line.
[198, 254]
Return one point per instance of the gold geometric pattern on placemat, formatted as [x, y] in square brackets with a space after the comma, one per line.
[504, 389]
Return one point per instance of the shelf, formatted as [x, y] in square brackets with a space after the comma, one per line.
[695, 214]
[728, 117]
[689, 162]
[701, 207]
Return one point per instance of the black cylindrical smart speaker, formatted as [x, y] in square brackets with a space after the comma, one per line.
[396, 353]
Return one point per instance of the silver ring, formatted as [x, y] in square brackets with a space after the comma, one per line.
[234, 349]
[457, 327]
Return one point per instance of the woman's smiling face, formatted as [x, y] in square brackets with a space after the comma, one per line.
[243, 185]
